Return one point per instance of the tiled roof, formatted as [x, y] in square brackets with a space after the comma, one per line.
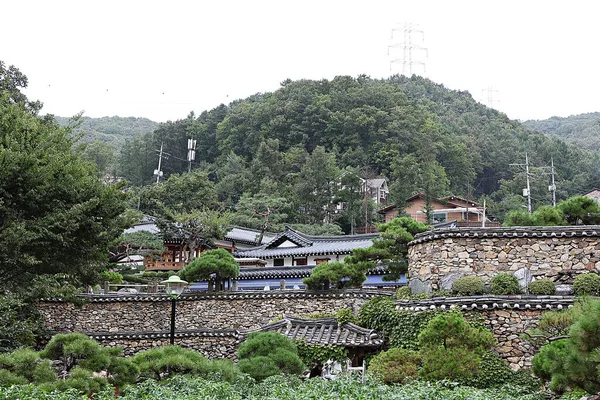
[289, 272]
[308, 245]
[325, 331]
[247, 235]
[490, 302]
[509, 232]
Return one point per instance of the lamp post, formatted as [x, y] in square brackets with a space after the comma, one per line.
[175, 287]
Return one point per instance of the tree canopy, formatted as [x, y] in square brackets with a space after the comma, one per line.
[56, 216]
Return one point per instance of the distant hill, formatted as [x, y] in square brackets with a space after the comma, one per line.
[112, 130]
[581, 130]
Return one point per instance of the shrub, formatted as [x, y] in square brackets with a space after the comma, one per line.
[403, 293]
[395, 365]
[264, 354]
[542, 287]
[451, 348]
[26, 364]
[519, 218]
[587, 285]
[112, 277]
[468, 286]
[155, 363]
[504, 284]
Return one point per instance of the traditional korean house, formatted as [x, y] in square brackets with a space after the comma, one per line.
[328, 332]
[294, 248]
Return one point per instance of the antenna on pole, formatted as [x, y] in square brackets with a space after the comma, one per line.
[526, 191]
[191, 153]
[408, 47]
[157, 171]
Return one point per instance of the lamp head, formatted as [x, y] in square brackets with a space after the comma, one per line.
[175, 285]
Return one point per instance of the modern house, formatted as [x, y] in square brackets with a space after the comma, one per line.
[595, 195]
[445, 209]
[377, 190]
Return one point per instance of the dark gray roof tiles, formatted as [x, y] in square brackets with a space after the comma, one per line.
[325, 331]
[248, 236]
[509, 232]
[284, 294]
[290, 272]
[491, 302]
[165, 334]
[308, 245]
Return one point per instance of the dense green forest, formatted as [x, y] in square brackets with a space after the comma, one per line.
[110, 130]
[582, 130]
[303, 147]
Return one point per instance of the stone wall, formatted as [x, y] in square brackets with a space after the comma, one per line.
[438, 257]
[508, 317]
[140, 322]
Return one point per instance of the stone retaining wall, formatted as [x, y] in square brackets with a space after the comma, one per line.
[438, 257]
[241, 310]
[508, 317]
[210, 323]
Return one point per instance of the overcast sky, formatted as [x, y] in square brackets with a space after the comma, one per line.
[163, 59]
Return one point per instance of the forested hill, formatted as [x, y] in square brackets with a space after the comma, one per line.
[111, 130]
[582, 130]
[420, 135]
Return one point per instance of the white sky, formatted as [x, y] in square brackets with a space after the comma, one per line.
[163, 59]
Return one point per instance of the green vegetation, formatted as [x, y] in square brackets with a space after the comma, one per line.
[580, 130]
[468, 286]
[282, 388]
[504, 284]
[587, 284]
[572, 362]
[395, 365]
[451, 348]
[576, 210]
[336, 275]
[542, 287]
[265, 354]
[215, 266]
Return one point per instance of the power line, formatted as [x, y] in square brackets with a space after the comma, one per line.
[526, 191]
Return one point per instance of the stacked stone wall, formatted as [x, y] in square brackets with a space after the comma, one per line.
[212, 324]
[438, 257]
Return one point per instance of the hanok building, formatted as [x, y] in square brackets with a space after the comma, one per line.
[293, 248]
[291, 255]
[328, 332]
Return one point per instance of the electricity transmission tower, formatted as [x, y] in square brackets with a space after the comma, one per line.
[487, 95]
[409, 49]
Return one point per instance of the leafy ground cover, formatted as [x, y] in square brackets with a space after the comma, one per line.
[283, 388]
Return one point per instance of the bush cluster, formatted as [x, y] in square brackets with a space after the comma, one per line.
[542, 287]
[587, 285]
[504, 284]
[395, 365]
[468, 286]
[265, 354]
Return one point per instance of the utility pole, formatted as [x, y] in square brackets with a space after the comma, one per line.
[157, 171]
[191, 153]
[527, 191]
[408, 47]
[553, 186]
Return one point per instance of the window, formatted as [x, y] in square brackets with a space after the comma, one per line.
[439, 217]
[301, 261]
[321, 260]
[278, 262]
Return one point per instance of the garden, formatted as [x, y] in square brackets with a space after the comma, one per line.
[433, 354]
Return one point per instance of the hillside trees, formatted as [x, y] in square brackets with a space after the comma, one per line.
[56, 216]
[420, 135]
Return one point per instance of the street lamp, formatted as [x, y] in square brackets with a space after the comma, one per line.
[175, 287]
